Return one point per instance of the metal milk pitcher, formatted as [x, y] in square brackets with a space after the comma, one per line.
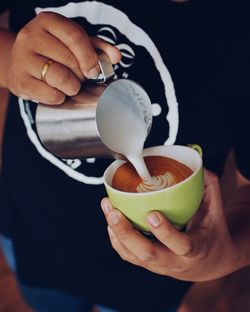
[70, 130]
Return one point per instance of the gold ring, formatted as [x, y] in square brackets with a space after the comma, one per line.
[45, 69]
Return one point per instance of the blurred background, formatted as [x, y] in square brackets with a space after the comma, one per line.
[228, 294]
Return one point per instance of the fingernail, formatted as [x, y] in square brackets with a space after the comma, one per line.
[93, 72]
[114, 217]
[154, 219]
[106, 207]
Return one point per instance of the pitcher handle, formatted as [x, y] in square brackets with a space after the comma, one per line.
[106, 68]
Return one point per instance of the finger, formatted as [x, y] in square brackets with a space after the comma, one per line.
[40, 91]
[178, 242]
[212, 188]
[57, 75]
[52, 48]
[113, 52]
[75, 38]
[123, 252]
[163, 254]
[141, 247]
[210, 210]
[106, 206]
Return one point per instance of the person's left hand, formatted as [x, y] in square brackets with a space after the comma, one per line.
[204, 252]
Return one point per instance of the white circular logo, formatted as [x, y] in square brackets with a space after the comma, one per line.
[137, 49]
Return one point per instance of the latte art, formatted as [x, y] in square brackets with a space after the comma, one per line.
[164, 171]
[156, 183]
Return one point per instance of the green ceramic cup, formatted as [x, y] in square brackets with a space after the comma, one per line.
[178, 202]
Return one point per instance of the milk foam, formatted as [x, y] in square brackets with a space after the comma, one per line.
[156, 183]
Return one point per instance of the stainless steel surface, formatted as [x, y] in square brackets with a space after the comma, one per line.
[69, 130]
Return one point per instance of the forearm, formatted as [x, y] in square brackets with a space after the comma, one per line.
[6, 39]
[238, 218]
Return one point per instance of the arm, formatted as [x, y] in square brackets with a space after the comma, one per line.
[209, 249]
[6, 38]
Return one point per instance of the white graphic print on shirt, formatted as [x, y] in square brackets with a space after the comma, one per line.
[99, 14]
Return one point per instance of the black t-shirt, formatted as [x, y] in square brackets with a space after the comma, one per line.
[193, 61]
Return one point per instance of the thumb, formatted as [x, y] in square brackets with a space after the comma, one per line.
[212, 195]
[211, 208]
[113, 53]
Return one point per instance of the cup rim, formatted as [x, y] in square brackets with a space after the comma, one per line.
[199, 166]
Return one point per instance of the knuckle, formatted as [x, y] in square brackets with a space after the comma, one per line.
[124, 257]
[166, 235]
[113, 244]
[124, 234]
[24, 34]
[128, 258]
[148, 256]
[75, 35]
[56, 98]
[188, 249]
[196, 251]
[63, 76]
[75, 88]
[69, 60]
[43, 16]
[180, 269]
[66, 79]
[23, 83]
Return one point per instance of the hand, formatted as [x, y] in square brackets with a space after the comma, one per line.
[50, 36]
[205, 252]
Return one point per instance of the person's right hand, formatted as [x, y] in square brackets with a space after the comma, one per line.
[50, 36]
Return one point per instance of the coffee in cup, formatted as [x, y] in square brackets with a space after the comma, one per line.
[165, 172]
